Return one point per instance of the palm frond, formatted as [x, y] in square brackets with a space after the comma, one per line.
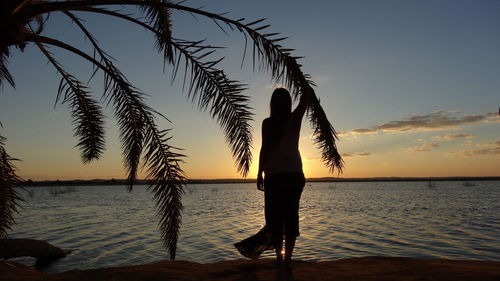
[137, 130]
[128, 106]
[87, 114]
[159, 17]
[4, 72]
[284, 68]
[324, 136]
[127, 103]
[268, 54]
[160, 159]
[9, 198]
[168, 181]
[211, 88]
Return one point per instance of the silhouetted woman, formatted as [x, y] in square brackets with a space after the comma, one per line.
[281, 163]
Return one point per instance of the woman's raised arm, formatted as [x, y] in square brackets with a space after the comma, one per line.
[305, 100]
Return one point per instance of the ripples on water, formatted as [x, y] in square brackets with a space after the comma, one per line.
[106, 226]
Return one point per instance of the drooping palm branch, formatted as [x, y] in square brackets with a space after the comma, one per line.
[9, 198]
[22, 22]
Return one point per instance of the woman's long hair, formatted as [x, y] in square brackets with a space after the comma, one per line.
[281, 107]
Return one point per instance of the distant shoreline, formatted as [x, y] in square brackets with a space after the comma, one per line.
[97, 182]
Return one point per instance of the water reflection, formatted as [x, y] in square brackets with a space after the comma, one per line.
[106, 226]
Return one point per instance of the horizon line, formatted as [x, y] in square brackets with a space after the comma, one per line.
[113, 181]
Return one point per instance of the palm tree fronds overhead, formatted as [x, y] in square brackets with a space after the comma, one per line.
[138, 132]
[284, 68]
[143, 143]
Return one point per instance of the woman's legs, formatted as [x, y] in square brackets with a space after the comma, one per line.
[289, 245]
[294, 192]
[278, 247]
[282, 196]
[274, 212]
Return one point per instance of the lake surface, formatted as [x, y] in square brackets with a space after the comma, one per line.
[107, 226]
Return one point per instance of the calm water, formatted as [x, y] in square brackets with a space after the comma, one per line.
[106, 226]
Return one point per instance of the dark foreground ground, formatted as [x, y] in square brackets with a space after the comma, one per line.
[359, 269]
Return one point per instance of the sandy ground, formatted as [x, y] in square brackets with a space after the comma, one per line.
[359, 269]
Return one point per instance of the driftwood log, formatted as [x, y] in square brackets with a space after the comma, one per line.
[43, 251]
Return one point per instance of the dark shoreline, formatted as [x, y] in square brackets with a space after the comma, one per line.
[361, 268]
[97, 182]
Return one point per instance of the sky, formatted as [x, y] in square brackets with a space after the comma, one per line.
[412, 87]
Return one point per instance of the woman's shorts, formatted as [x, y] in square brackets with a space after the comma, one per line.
[282, 196]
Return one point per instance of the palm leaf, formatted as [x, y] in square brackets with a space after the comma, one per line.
[159, 18]
[9, 198]
[167, 184]
[161, 162]
[4, 72]
[87, 114]
[128, 105]
[211, 88]
[271, 56]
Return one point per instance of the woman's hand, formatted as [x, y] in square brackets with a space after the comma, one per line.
[260, 182]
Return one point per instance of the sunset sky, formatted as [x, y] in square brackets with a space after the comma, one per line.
[412, 87]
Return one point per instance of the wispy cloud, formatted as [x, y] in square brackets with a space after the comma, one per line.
[422, 148]
[494, 143]
[493, 117]
[450, 137]
[489, 148]
[356, 154]
[435, 121]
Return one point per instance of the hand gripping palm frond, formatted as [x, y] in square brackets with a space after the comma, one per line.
[22, 22]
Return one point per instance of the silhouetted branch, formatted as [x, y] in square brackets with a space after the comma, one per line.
[161, 162]
[87, 114]
[159, 18]
[168, 182]
[127, 102]
[212, 89]
[285, 69]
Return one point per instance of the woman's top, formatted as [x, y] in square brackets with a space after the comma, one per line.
[285, 156]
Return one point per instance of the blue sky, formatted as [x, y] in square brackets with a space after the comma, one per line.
[425, 65]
